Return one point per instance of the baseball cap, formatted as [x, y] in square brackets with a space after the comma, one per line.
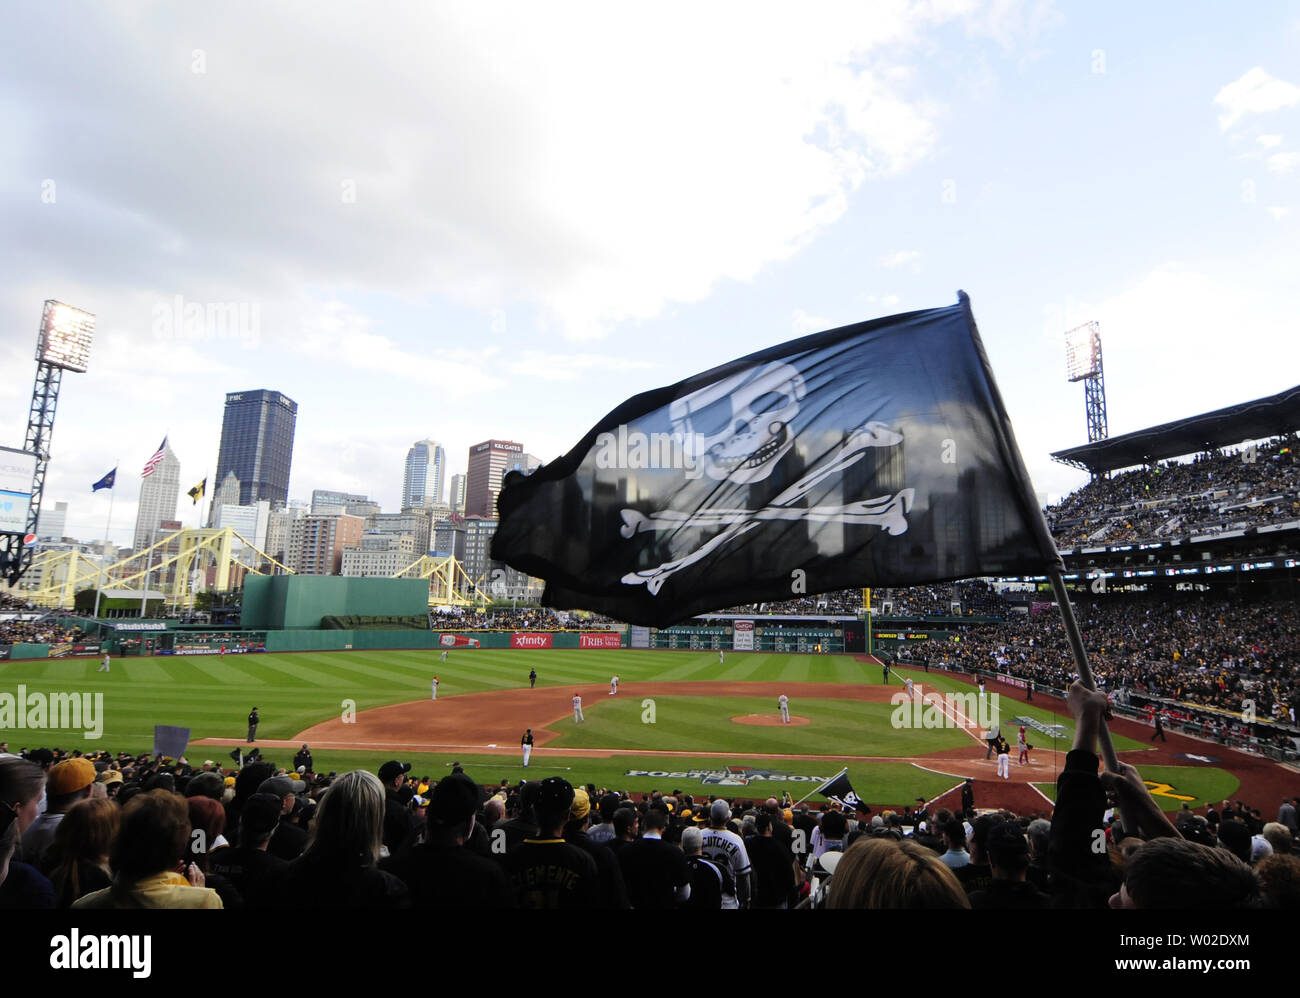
[392, 769]
[70, 776]
[719, 810]
[581, 805]
[161, 781]
[281, 786]
[207, 784]
[110, 776]
[555, 794]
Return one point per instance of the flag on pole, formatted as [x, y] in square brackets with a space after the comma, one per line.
[196, 493]
[154, 461]
[839, 789]
[878, 454]
[107, 482]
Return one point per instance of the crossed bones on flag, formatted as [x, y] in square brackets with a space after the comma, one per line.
[886, 512]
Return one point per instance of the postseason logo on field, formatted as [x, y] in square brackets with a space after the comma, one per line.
[731, 776]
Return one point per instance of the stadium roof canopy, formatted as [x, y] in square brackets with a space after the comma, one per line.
[1265, 417]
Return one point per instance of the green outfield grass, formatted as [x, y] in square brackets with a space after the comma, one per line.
[212, 696]
[836, 727]
[893, 783]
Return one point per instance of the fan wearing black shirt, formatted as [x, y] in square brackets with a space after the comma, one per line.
[441, 872]
[655, 872]
[546, 872]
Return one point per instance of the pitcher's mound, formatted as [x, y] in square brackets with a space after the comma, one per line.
[767, 720]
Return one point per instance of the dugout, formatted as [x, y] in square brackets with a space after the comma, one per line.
[298, 602]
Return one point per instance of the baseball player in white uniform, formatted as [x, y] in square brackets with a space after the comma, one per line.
[721, 658]
[908, 683]
[527, 744]
[105, 667]
[613, 685]
[784, 703]
[577, 709]
[433, 689]
[444, 656]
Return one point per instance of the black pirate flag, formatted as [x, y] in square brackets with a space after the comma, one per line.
[877, 454]
[840, 790]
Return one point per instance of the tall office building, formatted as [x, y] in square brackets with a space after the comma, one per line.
[423, 478]
[456, 494]
[52, 524]
[257, 445]
[316, 543]
[158, 495]
[487, 462]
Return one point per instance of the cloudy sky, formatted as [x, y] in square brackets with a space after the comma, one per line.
[473, 221]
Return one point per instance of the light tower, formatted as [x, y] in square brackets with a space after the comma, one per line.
[63, 345]
[1083, 363]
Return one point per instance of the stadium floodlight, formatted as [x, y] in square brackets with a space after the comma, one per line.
[66, 335]
[1083, 351]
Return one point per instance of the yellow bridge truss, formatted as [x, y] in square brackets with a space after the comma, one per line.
[168, 566]
[55, 577]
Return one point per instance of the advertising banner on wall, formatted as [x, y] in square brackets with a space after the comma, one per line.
[17, 469]
[600, 639]
[743, 636]
[530, 641]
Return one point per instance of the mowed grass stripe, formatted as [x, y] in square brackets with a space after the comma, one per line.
[703, 724]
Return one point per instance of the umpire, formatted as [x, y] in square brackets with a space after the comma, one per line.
[253, 721]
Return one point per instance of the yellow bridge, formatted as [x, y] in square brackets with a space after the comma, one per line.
[186, 562]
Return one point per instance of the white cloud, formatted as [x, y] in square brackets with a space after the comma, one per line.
[505, 153]
[570, 367]
[335, 333]
[1269, 141]
[1283, 162]
[900, 258]
[1256, 92]
[1278, 211]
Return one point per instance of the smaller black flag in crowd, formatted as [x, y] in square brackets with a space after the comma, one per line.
[840, 790]
[878, 454]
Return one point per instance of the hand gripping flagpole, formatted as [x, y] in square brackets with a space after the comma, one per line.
[1081, 660]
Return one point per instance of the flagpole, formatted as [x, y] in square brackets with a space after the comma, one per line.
[820, 788]
[144, 595]
[103, 551]
[1081, 660]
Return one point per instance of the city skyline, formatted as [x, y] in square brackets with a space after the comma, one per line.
[1059, 163]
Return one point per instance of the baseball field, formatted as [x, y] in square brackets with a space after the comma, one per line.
[680, 721]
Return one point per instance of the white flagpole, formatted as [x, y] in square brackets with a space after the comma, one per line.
[144, 595]
[821, 788]
[103, 552]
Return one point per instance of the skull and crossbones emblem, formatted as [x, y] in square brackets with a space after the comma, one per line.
[738, 429]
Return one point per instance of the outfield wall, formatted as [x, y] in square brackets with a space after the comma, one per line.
[275, 602]
[286, 641]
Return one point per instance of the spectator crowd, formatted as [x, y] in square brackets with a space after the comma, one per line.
[93, 832]
[1212, 652]
[1228, 490]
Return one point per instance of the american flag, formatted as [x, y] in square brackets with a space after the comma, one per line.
[154, 461]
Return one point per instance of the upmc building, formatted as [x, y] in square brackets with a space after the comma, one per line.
[483, 480]
[257, 445]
